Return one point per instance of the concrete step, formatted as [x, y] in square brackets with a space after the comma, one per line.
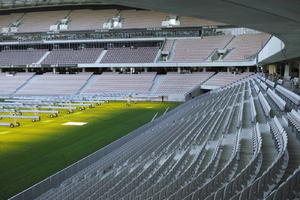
[88, 83]
[102, 54]
[268, 148]
[34, 77]
[43, 57]
[156, 83]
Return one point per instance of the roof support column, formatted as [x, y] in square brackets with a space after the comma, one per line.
[287, 71]
[272, 69]
[132, 70]
[298, 62]
[179, 69]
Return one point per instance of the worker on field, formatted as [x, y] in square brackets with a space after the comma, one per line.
[128, 101]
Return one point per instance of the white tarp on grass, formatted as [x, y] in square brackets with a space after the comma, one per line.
[75, 123]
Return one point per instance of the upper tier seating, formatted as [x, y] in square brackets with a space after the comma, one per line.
[121, 83]
[90, 19]
[192, 21]
[55, 84]
[225, 78]
[20, 57]
[168, 45]
[197, 50]
[244, 46]
[181, 51]
[130, 55]
[174, 83]
[10, 83]
[6, 20]
[41, 21]
[70, 56]
[206, 148]
[142, 18]
[145, 18]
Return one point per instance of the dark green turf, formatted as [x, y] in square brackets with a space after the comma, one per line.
[34, 151]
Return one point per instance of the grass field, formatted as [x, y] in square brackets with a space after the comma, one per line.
[34, 151]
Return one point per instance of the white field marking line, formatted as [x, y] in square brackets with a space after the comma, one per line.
[4, 132]
[46, 121]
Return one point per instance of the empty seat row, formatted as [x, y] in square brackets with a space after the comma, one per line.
[265, 105]
[279, 101]
[288, 94]
[130, 55]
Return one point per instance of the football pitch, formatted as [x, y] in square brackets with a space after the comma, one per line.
[36, 150]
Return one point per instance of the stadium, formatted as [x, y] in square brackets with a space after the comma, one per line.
[149, 99]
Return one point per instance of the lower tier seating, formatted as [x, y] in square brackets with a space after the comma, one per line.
[120, 83]
[207, 148]
[175, 83]
[225, 78]
[55, 84]
[11, 82]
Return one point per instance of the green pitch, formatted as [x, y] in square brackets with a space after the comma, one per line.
[36, 150]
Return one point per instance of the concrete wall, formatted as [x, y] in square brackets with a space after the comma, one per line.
[273, 46]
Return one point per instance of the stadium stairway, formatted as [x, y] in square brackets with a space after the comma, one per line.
[43, 57]
[168, 47]
[243, 164]
[291, 172]
[101, 56]
[156, 83]
[294, 154]
[171, 51]
[24, 85]
[268, 148]
[88, 83]
[232, 38]
[157, 57]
